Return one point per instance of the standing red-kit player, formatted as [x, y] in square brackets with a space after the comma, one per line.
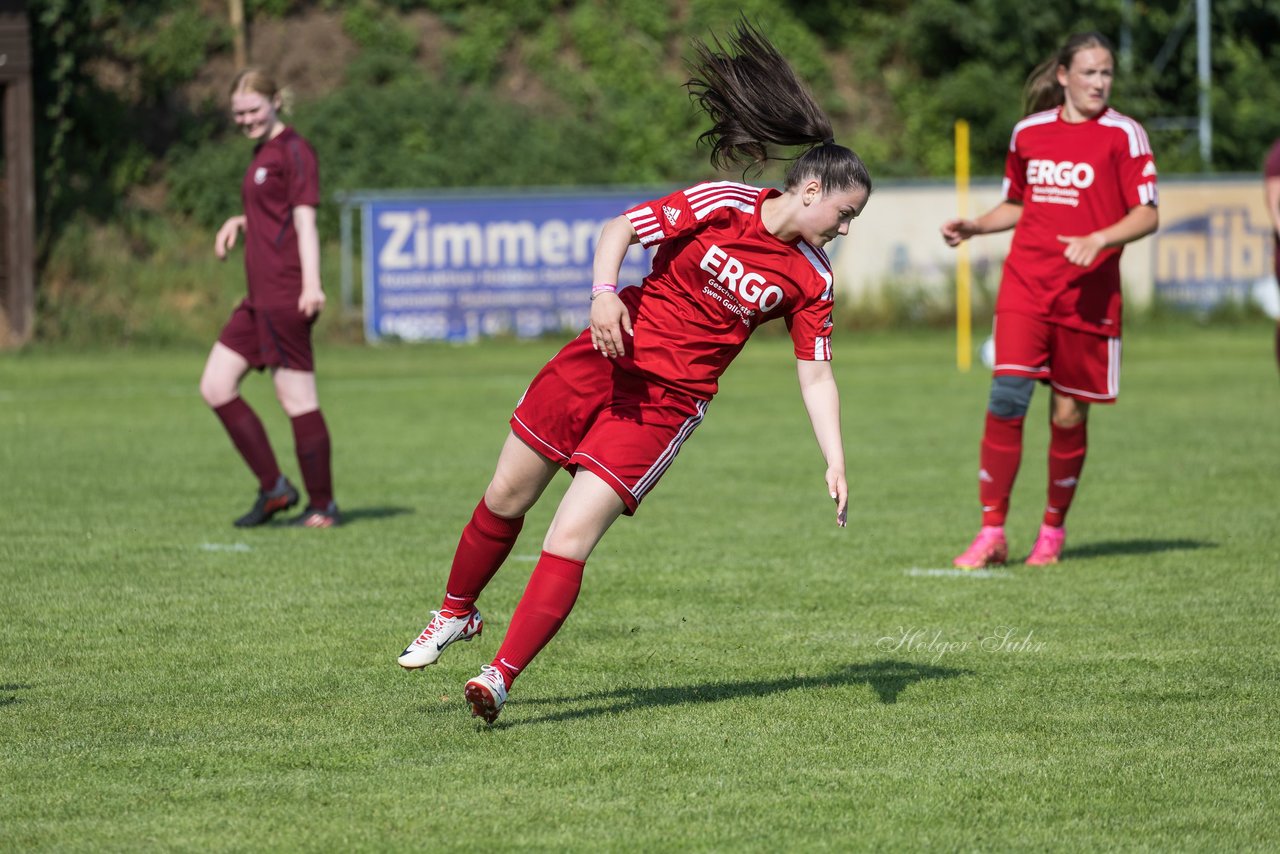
[271, 327]
[618, 402]
[1080, 183]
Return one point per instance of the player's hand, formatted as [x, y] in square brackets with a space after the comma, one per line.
[311, 302]
[838, 489]
[1084, 250]
[956, 231]
[609, 320]
[226, 239]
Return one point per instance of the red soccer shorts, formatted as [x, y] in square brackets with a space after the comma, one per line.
[1083, 365]
[271, 337]
[582, 411]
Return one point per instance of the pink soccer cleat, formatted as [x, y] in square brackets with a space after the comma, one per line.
[988, 548]
[1048, 546]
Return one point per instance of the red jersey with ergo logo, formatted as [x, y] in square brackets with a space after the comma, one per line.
[717, 275]
[1072, 179]
[282, 176]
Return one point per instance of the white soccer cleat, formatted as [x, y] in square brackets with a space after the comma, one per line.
[439, 633]
[486, 693]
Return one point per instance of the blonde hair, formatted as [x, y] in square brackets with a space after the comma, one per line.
[256, 80]
[1042, 91]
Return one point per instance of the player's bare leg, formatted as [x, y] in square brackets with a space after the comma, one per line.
[587, 510]
[518, 481]
[220, 388]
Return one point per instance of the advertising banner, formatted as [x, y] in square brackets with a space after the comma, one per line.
[457, 268]
[1215, 244]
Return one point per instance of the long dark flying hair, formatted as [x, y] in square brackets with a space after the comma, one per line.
[755, 100]
[1042, 90]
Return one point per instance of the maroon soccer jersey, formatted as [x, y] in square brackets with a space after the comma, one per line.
[717, 275]
[1271, 169]
[282, 176]
[1072, 179]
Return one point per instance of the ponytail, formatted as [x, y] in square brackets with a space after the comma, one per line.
[755, 100]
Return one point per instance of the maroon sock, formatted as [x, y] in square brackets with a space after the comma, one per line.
[250, 439]
[311, 443]
[553, 588]
[1001, 455]
[485, 543]
[1067, 446]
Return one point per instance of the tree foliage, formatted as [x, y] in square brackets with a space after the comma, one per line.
[607, 104]
[104, 74]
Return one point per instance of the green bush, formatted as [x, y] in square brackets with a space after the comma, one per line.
[204, 182]
[407, 133]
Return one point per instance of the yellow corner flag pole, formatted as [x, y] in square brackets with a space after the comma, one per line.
[964, 347]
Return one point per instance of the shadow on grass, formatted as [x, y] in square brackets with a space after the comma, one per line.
[367, 514]
[9, 687]
[887, 677]
[1113, 548]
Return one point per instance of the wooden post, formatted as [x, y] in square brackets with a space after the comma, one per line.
[239, 36]
[20, 214]
[17, 242]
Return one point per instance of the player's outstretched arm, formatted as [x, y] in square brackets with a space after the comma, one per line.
[1002, 217]
[822, 402]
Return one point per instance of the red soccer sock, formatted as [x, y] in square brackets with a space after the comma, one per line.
[250, 438]
[1001, 454]
[311, 443]
[553, 588]
[1067, 446]
[485, 543]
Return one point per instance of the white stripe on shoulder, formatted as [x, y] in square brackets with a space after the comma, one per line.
[1138, 142]
[745, 207]
[647, 225]
[821, 265]
[1044, 117]
[705, 198]
[709, 187]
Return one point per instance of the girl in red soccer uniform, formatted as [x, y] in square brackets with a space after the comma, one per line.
[271, 328]
[1080, 183]
[616, 404]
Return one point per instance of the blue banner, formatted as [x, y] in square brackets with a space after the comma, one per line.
[457, 268]
[1222, 253]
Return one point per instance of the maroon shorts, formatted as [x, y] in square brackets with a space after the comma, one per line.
[581, 410]
[271, 337]
[1079, 364]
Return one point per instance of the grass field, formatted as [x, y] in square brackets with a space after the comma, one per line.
[739, 674]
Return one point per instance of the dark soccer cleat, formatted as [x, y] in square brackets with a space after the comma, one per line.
[314, 517]
[281, 497]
